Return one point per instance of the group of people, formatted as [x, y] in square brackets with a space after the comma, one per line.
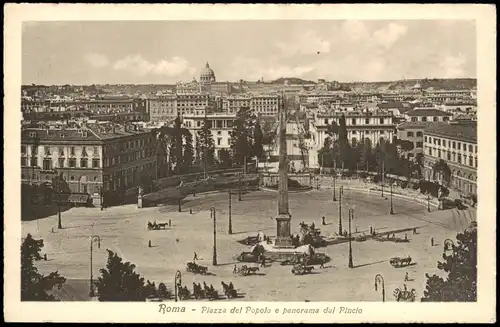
[206, 291]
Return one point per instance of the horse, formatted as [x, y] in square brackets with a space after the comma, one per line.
[162, 225]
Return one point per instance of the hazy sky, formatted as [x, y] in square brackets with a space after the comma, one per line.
[165, 52]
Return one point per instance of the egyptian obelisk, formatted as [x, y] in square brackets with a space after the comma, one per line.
[283, 219]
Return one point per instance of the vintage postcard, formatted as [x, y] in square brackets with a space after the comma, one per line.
[249, 163]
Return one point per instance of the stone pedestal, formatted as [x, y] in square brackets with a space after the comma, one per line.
[139, 201]
[284, 236]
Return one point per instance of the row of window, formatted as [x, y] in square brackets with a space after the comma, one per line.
[47, 163]
[453, 157]
[410, 134]
[425, 119]
[125, 158]
[368, 121]
[47, 152]
[451, 144]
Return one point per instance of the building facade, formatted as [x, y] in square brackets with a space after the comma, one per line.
[88, 158]
[456, 144]
[427, 115]
[360, 126]
[221, 125]
[163, 108]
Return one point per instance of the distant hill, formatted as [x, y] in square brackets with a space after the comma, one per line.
[436, 83]
[291, 80]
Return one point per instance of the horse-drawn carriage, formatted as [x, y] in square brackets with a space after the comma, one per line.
[301, 269]
[246, 270]
[205, 292]
[398, 262]
[229, 290]
[196, 269]
[157, 226]
[360, 238]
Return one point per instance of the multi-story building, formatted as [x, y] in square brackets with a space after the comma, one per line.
[317, 97]
[193, 103]
[427, 115]
[265, 104]
[459, 107]
[163, 108]
[413, 132]
[88, 157]
[360, 125]
[233, 103]
[221, 125]
[442, 96]
[456, 144]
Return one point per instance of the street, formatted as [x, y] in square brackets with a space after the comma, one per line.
[123, 230]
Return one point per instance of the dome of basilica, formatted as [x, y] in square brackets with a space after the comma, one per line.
[207, 75]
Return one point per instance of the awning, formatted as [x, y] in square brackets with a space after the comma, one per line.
[78, 198]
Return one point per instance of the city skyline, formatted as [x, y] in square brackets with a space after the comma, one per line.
[139, 52]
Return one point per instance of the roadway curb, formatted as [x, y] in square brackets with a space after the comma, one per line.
[406, 197]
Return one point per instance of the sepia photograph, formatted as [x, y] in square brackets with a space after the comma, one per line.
[205, 165]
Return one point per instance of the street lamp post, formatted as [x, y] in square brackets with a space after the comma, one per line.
[334, 179]
[93, 239]
[239, 187]
[392, 208]
[212, 215]
[177, 284]
[428, 202]
[383, 179]
[351, 216]
[380, 280]
[340, 209]
[230, 228]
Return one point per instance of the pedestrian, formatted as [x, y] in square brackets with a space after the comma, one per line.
[190, 211]
[263, 262]
[169, 222]
[102, 207]
[323, 221]
[322, 265]
[235, 269]
[195, 257]
[45, 257]
[414, 231]
[149, 244]
[356, 229]
[371, 230]
[406, 277]
[406, 237]
[432, 241]
[312, 226]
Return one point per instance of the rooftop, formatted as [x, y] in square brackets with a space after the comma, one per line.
[418, 125]
[90, 132]
[459, 131]
[427, 112]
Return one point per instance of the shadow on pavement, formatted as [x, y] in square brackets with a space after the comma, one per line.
[369, 264]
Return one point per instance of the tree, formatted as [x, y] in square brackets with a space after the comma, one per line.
[241, 135]
[34, 286]
[268, 131]
[225, 159]
[120, 282]
[342, 141]
[258, 149]
[187, 149]
[176, 146]
[206, 144]
[441, 166]
[325, 154]
[461, 266]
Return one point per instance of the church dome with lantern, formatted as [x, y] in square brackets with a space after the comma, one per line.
[207, 75]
